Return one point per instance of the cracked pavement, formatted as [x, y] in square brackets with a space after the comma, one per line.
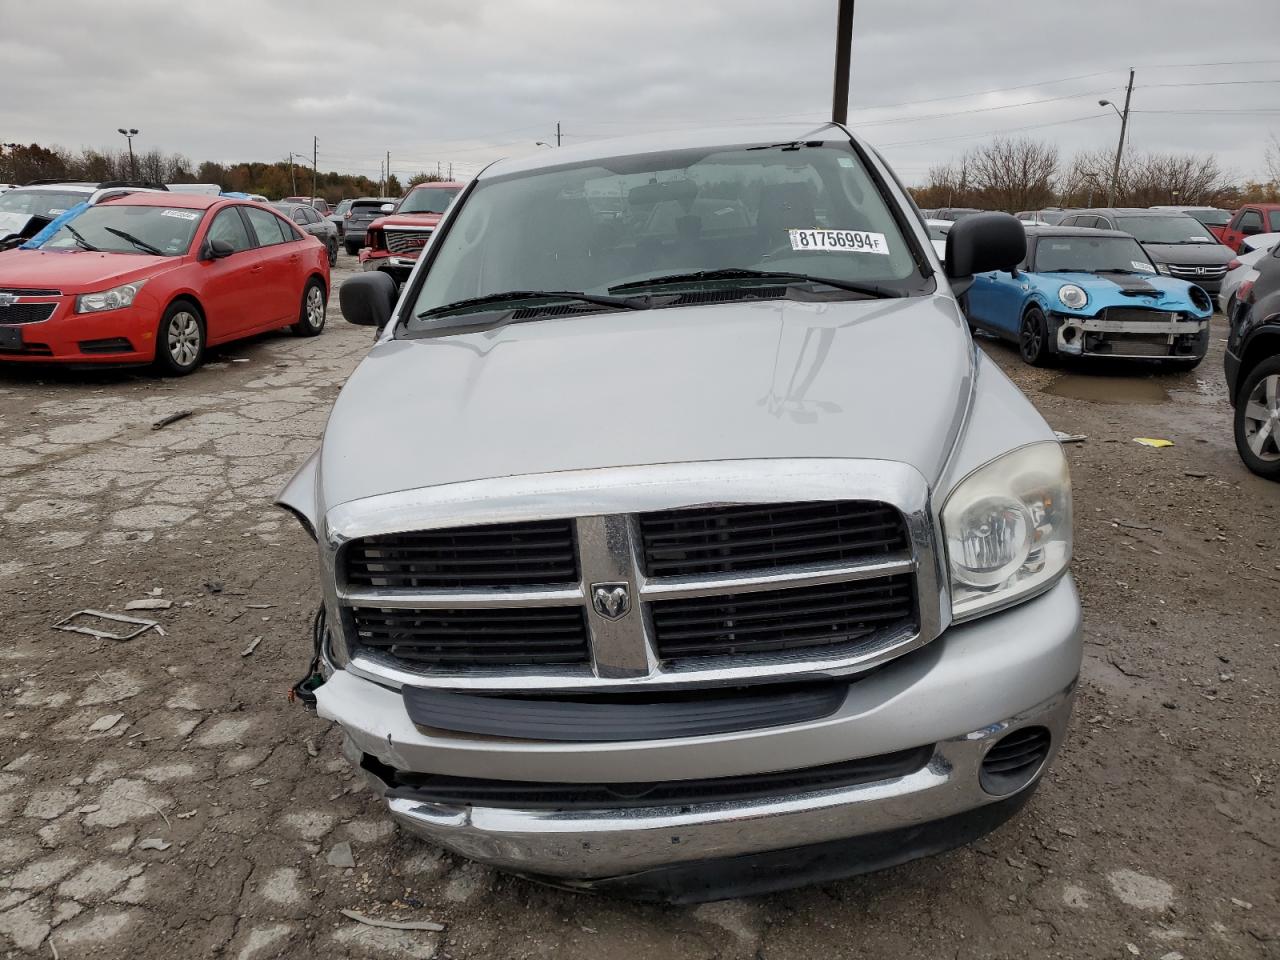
[160, 797]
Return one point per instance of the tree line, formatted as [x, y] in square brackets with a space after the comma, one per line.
[1025, 174]
[22, 163]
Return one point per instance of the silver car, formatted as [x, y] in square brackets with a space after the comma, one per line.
[1241, 270]
[697, 555]
[311, 221]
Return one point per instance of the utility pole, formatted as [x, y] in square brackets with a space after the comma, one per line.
[315, 164]
[1124, 127]
[557, 133]
[129, 134]
[844, 51]
[293, 176]
[387, 187]
[450, 171]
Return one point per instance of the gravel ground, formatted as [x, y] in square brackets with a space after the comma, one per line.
[159, 797]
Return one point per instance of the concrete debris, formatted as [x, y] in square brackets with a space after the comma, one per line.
[340, 856]
[152, 603]
[253, 645]
[105, 723]
[154, 843]
[142, 625]
[171, 418]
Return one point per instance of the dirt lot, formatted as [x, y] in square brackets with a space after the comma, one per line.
[160, 798]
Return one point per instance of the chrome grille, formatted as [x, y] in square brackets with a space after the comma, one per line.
[1198, 272]
[512, 637]
[406, 242]
[709, 583]
[497, 555]
[777, 621]
[768, 537]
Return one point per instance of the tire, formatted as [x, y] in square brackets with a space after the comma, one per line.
[352, 248]
[311, 315]
[1033, 338]
[333, 252]
[1258, 414]
[180, 339]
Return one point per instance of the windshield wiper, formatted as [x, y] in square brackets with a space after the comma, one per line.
[739, 273]
[79, 239]
[140, 244]
[515, 296]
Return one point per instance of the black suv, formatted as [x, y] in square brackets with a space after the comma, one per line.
[1252, 363]
[361, 213]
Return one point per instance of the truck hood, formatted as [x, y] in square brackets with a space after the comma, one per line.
[407, 220]
[883, 379]
[77, 271]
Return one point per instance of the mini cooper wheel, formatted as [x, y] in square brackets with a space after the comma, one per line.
[1033, 338]
[1257, 420]
[180, 340]
[311, 316]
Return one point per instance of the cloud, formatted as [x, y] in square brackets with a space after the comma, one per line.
[470, 82]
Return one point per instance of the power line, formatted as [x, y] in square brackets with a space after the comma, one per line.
[1204, 83]
[992, 133]
[956, 113]
[1226, 111]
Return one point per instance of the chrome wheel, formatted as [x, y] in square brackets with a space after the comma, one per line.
[184, 338]
[315, 308]
[1262, 419]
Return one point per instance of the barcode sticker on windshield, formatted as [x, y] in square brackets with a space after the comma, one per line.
[1142, 265]
[850, 241]
[181, 214]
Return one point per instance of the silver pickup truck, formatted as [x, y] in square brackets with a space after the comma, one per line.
[675, 539]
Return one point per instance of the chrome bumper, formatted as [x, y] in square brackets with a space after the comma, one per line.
[963, 692]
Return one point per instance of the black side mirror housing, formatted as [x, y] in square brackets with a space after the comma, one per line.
[983, 242]
[368, 299]
[217, 249]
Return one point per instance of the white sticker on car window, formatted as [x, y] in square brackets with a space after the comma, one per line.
[1139, 265]
[56, 211]
[849, 241]
[180, 214]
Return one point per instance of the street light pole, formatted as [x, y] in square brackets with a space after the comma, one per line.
[844, 50]
[129, 133]
[1124, 127]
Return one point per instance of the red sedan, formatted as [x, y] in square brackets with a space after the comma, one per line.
[157, 278]
[394, 241]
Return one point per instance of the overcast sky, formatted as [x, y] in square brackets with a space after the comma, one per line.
[475, 80]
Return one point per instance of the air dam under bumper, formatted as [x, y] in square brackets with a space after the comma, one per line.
[962, 693]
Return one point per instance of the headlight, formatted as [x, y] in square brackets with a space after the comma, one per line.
[113, 299]
[1008, 529]
[1072, 296]
[1162, 268]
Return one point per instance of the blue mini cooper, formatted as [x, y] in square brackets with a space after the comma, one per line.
[1093, 293]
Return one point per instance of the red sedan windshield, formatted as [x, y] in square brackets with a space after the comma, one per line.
[122, 228]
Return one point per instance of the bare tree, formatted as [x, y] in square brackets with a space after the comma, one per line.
[1013, 175]
[1273, 158]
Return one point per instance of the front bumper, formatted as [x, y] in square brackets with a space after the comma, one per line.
[398, 267]
[125, 336]
[961, 693]
[1181, 339]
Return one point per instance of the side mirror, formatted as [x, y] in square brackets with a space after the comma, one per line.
[981, 243]
[218, 249]
[388, 208]
[368, 299]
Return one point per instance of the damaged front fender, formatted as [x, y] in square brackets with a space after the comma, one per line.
[299, 495]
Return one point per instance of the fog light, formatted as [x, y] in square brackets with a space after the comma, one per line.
[1014, 760]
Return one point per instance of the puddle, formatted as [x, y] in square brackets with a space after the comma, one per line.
[1108, 389]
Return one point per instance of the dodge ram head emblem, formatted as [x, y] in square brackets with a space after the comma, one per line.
[611, 600]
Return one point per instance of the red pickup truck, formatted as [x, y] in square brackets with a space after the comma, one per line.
[1250, 220]
[393, 242]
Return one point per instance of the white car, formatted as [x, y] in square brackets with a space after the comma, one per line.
[938, 230]
[45, 201]
[1241, 270]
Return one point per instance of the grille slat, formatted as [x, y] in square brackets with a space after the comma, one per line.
[779, 620]
[536, 553]
[27, 312]
[536, 635]
[406, 241]
[730, 539]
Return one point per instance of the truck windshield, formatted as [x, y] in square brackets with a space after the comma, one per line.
[810, 209]
[1091, 255]
[121, 228]
[428, 200]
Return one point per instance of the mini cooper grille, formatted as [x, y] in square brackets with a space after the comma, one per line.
[782, 621]
[766, 537]
[466, 637]
[468, 791]
[498, 555]
[27, 312]
[1139, 315]
[406, 242]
